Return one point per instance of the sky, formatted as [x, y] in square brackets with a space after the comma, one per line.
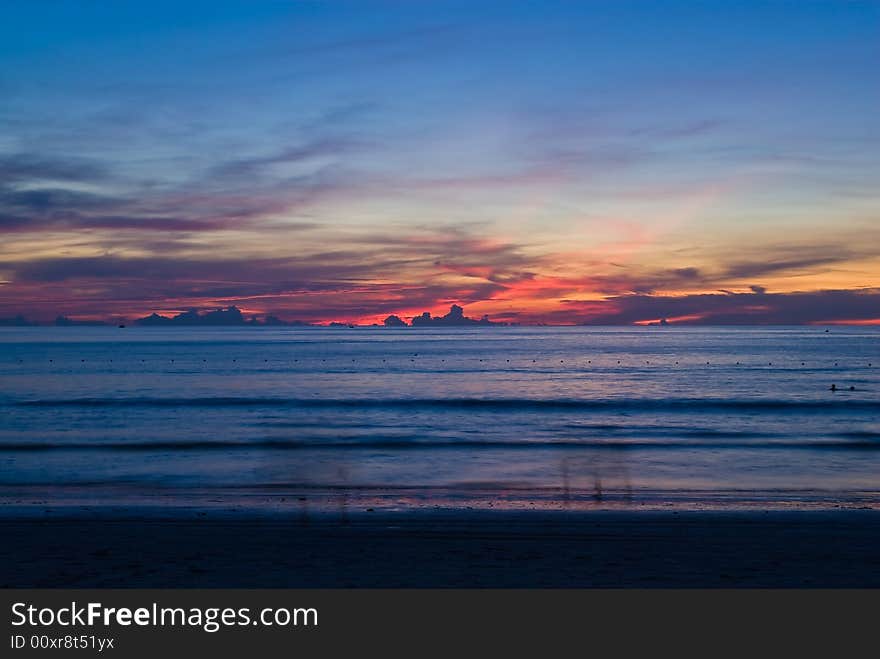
[540, 162]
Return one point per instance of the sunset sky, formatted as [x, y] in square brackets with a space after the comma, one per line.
[540, 162]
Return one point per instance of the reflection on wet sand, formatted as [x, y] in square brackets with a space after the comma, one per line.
[595, 473]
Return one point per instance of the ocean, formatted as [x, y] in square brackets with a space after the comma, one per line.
[293, 420]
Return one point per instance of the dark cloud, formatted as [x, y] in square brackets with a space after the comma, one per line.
[215, 202]
[754, 308]
[229, 272]
[687, 273]
[47, 193]
[766, 260]
[60, 209]
[772, 264]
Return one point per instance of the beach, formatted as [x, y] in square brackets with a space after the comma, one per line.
[650, 549]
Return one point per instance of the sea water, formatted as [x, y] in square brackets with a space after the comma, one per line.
[246, 418]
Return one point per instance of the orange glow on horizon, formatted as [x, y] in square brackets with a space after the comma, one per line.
[862, 322]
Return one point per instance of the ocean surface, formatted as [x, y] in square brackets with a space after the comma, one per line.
[296, 420]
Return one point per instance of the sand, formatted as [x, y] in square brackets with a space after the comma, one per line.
[462, 549]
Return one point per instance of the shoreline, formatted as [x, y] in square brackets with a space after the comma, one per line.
[285, 502]
[447, 549]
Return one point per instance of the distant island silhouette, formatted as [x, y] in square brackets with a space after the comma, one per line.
[224, 316]
[60, 321]
[233, 316]
[455, 318]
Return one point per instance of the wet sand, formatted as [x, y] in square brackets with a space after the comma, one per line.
[423, 549]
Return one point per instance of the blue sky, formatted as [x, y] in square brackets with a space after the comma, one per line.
[539, 161]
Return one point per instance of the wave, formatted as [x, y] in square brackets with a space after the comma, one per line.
[860, 434]
[488, 404]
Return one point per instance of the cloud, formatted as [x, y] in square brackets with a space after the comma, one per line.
[13, 222]
[16, 167]
[365, 275]
[366, 257]
[40, 194]
[771, 263]
[724, 271]
[754, 308]
[42, 200]
[66, 221]
[687, 273]
[685, 130]
[160, 255]
[246, 168]
[265, 274]
[381, 274]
